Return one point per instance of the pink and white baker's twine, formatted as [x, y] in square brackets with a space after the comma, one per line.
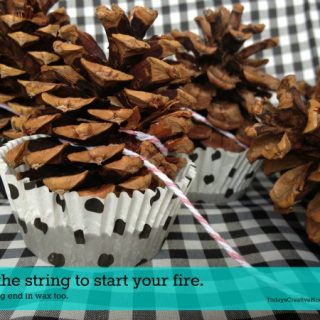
[233, 254]
[141, 136]
[198, 117]
[176, 190]
[7, 108]
[172, 186]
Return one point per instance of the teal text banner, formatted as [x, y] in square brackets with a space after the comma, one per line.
[144, 288]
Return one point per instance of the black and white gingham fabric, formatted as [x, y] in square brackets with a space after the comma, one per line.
[264, 237]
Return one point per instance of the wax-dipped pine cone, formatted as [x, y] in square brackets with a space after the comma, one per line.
[66, 87]
[288, 137]
[230, 85]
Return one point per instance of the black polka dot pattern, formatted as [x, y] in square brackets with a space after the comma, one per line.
[145, 233]
[30, 185]
[232, 172]
[2, 189]
[142, 261]
[216, 155]
[208, 179]
[23, 225]
[229, 193]
[189, 181]
[61, 202]
[94, 205]
[79, 237]
[41, 225]
[156, 197]
[249, 175]
[166, 224]
[119, 227]
[193, 157]
[14, 192]
[57, 259]
[105, 260]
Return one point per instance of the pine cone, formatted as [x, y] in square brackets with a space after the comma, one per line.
[69, 90]
[26, 36]
[230, 85]
[288, 137]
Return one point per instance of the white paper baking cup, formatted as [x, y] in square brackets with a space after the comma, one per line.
[89, 231]
[222, 176]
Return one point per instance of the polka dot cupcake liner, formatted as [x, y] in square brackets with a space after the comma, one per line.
[222, 176]
[2, 190]
[89, 231]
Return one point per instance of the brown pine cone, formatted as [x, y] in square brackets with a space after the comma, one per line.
[288, 137]
[229, 85]
[67, 88]
[26, 34]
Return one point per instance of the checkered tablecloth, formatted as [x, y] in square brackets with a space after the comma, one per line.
[263, 237]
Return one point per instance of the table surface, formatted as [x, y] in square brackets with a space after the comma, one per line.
[262, 236]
